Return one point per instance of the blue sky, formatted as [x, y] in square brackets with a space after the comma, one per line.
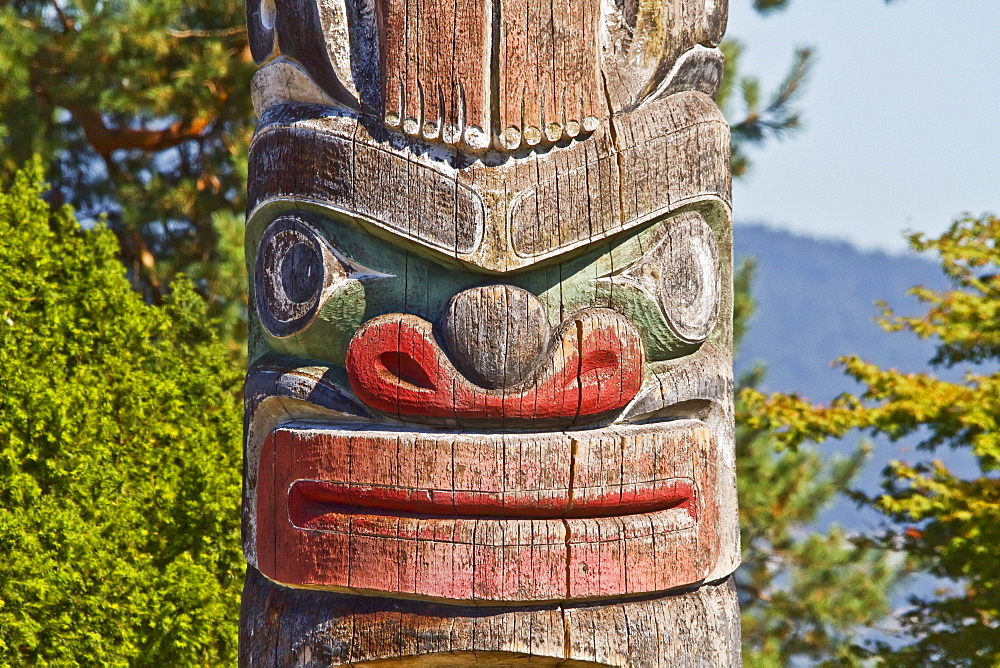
[902, 117]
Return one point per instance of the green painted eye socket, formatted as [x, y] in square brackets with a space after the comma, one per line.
[292, 273]
[687, 278]
[309, 298]
[314, 288]
[668, 281]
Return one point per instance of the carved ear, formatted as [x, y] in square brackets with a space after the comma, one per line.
[658, 47]
[261, 15]
[300, 31]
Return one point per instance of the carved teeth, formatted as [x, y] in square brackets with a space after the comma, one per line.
[451, 134]
[411, 126]
[573, 128]
[510, 138]
[392, 119]
[553, 132]
[532, 135]
[430, 130]
[476, 139]
[590, 123]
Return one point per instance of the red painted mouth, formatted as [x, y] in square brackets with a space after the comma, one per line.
[488, 517]
[593, 366]
[311, 503]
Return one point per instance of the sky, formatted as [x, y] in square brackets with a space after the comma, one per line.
[901, 117]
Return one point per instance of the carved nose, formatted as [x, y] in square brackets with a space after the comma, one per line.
[494, 333]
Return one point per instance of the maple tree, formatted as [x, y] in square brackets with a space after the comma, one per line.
[806, 593]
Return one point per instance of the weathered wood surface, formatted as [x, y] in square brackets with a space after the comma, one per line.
[295, 627]
[471, 517]
[478, 74]
[506, 216]
[495, 333]
[489, 409]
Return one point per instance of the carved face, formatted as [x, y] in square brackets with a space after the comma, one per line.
[491, 315]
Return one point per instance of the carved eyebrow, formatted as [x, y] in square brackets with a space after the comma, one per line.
[353, 269]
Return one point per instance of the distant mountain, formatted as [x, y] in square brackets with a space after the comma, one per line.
[816, 302]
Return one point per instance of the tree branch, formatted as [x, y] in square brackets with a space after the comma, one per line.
[106, 140]
[227, 32]
[66, 21]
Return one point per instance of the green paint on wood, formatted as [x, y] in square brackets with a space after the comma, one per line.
[423, 286]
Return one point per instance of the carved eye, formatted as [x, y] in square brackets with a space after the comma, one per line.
[690, 287]
[293, 271]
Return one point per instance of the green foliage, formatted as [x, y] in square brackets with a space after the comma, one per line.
[119, 455]
[143, 106]
[948, 526]
[804, 595]
[766, 6]
[757, 121]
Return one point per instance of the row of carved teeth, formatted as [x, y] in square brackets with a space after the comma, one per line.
[477, 139]
[513, 137]
[474, 136]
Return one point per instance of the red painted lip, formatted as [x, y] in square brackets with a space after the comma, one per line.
[489, 517]
[311, 502]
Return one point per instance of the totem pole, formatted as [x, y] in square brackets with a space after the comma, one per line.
[489, 405]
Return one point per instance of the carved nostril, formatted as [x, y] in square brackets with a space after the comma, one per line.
[402, 368]
[494, 333]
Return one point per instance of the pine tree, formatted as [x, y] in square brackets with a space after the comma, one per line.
[119, 455]
[947, 525]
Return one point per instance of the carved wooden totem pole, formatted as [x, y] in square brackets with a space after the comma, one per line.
[489, 409]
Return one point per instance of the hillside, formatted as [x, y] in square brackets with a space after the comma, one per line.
[815, 302]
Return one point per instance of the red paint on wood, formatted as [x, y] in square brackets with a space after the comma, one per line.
[314, 503]
[594, 366]
[352, 508]
[434, 68]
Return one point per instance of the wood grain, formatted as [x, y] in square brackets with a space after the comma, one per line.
[435, 83]
[593, 365]
[295, 627]
[493, 518]
[547, 71]
[511, 440]
[504, 217]
[495, 333]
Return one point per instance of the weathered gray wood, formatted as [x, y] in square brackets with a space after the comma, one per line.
[495, 333]
[296, 627]
[506, 216]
